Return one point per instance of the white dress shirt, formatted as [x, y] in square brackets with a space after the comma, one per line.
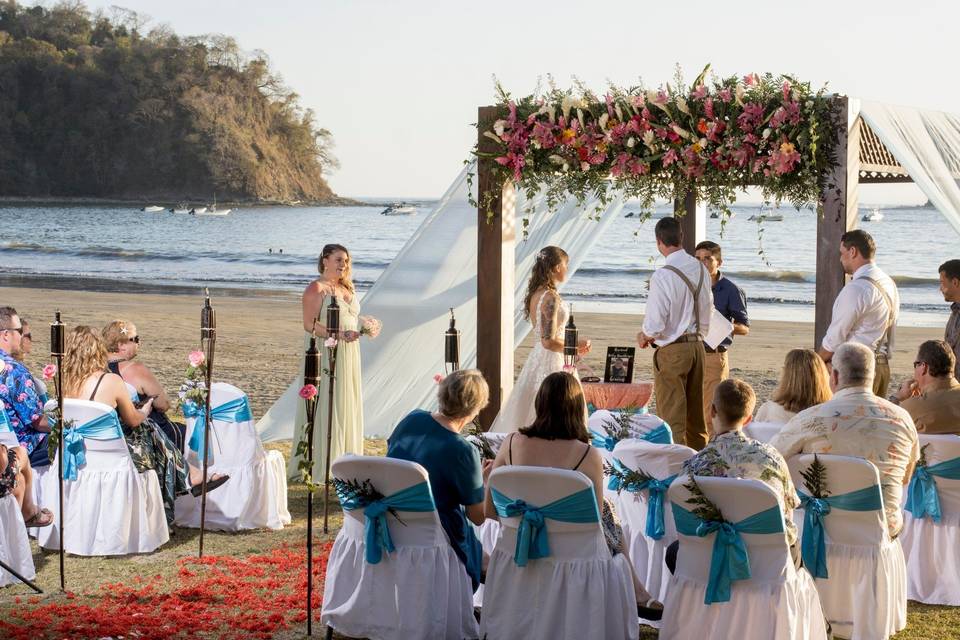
[669, 312]
[860, 312]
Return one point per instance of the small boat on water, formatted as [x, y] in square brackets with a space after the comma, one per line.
[198, 211]
[152, 209]
[767, 217]
[873, 216]
[180, 208]
[212, 210]
[399, 209]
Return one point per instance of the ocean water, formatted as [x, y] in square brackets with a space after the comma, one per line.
[120, 247]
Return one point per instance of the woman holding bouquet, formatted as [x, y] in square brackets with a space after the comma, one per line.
[347, 427]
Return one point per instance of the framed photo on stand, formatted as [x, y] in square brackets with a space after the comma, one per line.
[619, 367]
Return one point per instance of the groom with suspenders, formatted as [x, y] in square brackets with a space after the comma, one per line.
[679, 306]
[866, 309]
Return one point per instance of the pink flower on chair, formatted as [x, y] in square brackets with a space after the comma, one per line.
[49, 371]
[196, 358]
[308, 392]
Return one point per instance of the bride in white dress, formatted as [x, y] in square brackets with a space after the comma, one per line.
[544, 307]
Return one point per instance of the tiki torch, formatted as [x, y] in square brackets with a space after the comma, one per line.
[570, 341]
[311, 376]
[208, 340]
[451, 346]
[333, 331]
[57, 350]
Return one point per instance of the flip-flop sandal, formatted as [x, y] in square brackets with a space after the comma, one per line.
[647, 612]
[212, 484]
[42, 518]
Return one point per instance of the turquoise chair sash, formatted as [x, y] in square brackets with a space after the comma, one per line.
[660, 434]
[237, 410]
[104, 427]
[730, 560]
[376, 532]
[813, 546]
[923, 498]
[656, 490]
[4, 418]
[532, 543]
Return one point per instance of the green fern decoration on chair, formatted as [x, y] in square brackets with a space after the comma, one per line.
[630, 476]
[703, 508]
[815, 478]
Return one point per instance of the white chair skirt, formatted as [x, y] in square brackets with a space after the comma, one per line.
[14, 544]
[49, 501]
[774, 610]
[415, 592]
[932, 552]
[579, 593]
[110, 509]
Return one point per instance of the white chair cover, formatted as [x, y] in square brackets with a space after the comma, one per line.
[762, 431]
[110, 509]
[578, 591]
[14, 544]
[49, 501]
[778, 602]
[932, 549]
[865, 595]
[256, 494]
[421, 590]
[660, 461]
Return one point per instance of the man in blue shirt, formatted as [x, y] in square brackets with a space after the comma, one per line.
[19, 393]
[731, 302]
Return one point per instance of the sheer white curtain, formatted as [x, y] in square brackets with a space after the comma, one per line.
[927, 145]
[437, 270]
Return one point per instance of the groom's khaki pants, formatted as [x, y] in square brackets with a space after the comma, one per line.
[678, 385]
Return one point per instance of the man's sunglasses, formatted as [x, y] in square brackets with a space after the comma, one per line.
[17, 329]
[135, 339]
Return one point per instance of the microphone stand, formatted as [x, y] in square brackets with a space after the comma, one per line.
[311, 375]
[333, 331]
[208, 340]
[57, 350]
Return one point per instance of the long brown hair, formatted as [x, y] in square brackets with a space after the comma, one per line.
[561, 410]
[548, 259]
[804, 383]
[84, 355]
[330, 249]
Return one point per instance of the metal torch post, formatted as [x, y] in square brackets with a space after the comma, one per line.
[451, 345]
[570, 341]
[208, 340]
[57, 339]
[311, 375]
[333, 331]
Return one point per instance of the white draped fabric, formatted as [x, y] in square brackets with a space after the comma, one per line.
[435, 271]
[14, 544]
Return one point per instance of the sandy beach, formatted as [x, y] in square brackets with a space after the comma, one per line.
[258, 337]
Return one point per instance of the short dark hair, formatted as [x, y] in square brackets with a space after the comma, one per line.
[561, 410]
[712, 247]
[951, 268]
[938, 356]
[6, 316]
[734, 400]
[669, 232]
[863, 242]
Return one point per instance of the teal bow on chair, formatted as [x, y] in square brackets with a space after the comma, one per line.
[236, 410]
[376, 533]
[730, 560]
[532, 543]
[923, 498]
[813, 546]
[656, 491]
[602, 440]
[103, 427]
[660, 434]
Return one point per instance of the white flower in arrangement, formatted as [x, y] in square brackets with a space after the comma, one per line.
[651, 96]
[739, 94]
[551, 113]
[649, 138]
[682, 105]
[631, 141]
[680, 131]
[580, 118]
[555, 159]
[584, 166]
[498, 127]
[617, 110]
[767, 132]
[493, 137]
[565, 105]
[603, 121]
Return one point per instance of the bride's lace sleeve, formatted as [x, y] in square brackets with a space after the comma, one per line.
[549, 308]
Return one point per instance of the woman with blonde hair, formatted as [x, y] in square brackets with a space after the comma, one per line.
[85, 377]
[804, 383]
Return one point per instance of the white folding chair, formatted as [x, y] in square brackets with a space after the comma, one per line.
[762, 431]
[577, 591]
[864, 596]
[662, 462]
[932, 549]
[420, 590]
[256, 494]
[110, 509]
[643, 426]
[777, 601]
[14, 543]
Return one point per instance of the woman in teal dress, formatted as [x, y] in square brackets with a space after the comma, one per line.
[347, 431]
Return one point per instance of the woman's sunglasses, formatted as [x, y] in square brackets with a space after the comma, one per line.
[135, 339]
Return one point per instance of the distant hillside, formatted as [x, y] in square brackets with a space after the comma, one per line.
[96, 106]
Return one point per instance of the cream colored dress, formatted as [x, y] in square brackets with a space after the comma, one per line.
[347, 432]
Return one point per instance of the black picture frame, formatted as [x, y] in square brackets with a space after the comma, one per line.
[619, 364]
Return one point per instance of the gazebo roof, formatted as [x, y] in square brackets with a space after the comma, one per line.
[877, 164]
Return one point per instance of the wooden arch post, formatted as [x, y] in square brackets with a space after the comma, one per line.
[496, 265]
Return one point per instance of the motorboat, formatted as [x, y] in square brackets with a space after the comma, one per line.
[198, 211]
[212, 210]
[152, 209]
[399, 209]
[873, 216]
[180, 208]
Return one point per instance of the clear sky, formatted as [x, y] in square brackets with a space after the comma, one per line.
[398, 82]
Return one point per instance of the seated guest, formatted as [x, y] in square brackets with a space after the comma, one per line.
[123, 345]
[804, 383]
[26, 346]
[19, 392]
[85, 377]
[932, 396]
[558, 438]
[16, 477]
[457, 478]
[855, 422]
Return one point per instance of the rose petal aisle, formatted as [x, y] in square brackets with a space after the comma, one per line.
[224, 597]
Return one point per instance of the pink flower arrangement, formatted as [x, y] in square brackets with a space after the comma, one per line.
[370, 326]
[308, 392]
[330, 342]
[196, 358]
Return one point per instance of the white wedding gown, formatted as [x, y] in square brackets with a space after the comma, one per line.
[519, 411]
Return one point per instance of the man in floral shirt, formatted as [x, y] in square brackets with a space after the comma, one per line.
[19, 392]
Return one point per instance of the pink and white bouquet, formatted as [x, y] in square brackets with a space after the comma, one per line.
[370, 326]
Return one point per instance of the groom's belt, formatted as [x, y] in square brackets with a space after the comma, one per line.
[687, 337]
